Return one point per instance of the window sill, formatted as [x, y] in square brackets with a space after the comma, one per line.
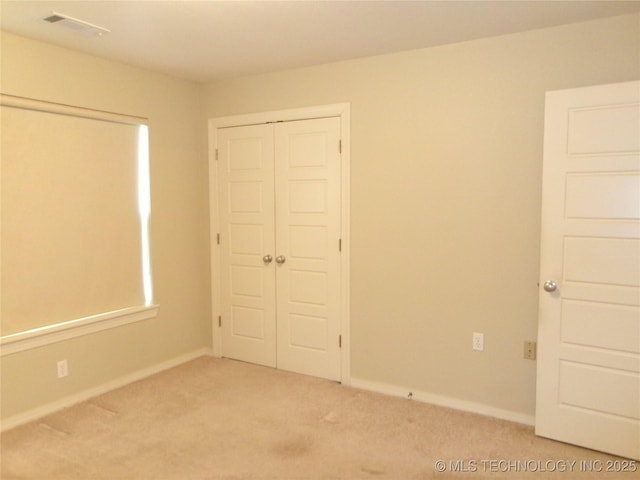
[39, 337]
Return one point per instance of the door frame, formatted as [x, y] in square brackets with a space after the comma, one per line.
[342, 110]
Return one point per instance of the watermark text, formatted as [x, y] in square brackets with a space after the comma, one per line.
[535, 466]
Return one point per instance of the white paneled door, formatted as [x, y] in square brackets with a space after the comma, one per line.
[280, 195]
[588, 380]
[247, 243]
[308, 242]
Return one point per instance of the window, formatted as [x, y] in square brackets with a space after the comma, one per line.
[75, 204]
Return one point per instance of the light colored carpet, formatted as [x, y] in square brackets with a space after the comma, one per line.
[222, 419]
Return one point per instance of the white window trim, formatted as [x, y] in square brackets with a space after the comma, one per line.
[58, 332]
[70, 110]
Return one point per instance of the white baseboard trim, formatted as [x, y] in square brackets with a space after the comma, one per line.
[39, 412]
[444, 401]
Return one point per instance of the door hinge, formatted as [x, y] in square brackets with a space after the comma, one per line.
[218, 238]
[339, 341]
[339, 244]
[219, 320]
[339, 146]
[216, 154]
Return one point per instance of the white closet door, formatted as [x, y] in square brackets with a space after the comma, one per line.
[308, 163]
[588, 389]
[246, 204]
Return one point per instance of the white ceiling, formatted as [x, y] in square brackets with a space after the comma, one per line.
[208, 40]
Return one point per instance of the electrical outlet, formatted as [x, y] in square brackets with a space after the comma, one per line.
[530, 350]
[63, 368]
[478, 341]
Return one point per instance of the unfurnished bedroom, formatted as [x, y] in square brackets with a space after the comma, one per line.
[319, 239]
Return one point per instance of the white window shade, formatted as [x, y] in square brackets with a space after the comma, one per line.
[72, 231]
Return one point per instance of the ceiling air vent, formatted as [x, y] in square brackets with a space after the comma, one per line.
[80, 26]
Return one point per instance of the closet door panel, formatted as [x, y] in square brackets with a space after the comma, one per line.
[307, 186]
[247, 282]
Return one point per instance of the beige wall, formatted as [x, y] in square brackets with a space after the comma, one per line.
[445, 196]
[179, 228]
[445, 185]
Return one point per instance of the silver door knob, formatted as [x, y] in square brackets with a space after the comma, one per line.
[267, 259]
[280, 259]
[550, 286]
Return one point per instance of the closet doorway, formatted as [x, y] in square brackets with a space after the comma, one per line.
[279, 192]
